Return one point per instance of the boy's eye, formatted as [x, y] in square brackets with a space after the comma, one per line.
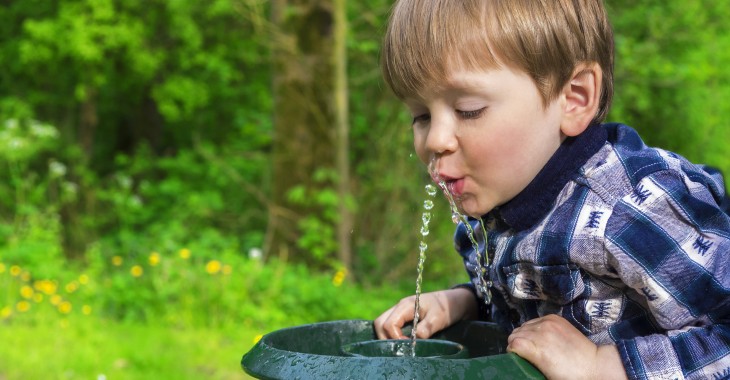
[471, 114]
[421, 118]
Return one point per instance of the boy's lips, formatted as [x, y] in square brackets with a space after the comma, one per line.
[454, 185]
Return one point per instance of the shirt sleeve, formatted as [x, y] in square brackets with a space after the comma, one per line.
[669, 240]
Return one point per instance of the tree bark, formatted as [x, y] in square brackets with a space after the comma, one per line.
[344, 227]
[310, 123]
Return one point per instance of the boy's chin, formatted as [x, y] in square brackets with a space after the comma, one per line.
[472, 209]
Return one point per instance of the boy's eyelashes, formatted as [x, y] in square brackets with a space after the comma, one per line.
[471, 114]
[421, 118]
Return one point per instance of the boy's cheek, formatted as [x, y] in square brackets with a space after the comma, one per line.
[420, 148]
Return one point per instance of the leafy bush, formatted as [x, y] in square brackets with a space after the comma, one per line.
[195, 285]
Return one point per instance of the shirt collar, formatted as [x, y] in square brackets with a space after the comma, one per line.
[536, 200]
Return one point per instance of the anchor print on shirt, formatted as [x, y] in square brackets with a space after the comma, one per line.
[603, 312]
[531, 288]
[525, 286]
[594, 219]
[721, 375]
[591, 222]
[702, 245]
[701, 248]
[649, 294]
[640, 195]
[601, 309]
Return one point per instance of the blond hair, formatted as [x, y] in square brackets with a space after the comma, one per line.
[547, 39]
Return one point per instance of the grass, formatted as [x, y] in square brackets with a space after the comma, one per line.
[172, 314]
[105, 349]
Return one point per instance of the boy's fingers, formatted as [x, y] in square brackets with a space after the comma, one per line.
[389, 324]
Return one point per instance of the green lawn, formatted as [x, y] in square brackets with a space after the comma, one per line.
[91, 348]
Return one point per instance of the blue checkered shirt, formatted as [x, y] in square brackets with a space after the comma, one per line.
[630, 244]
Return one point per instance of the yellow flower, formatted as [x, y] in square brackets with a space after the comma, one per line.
[154, 258]
[26, 292]
[65, 307]
[2, 268]
[25, 276]
[83, 279]
[38, 298]
[184, 253]
[213, 267]
[117, 261]
[227, 269]
[136, 271]
[56, 299]
[23, 306]
[6, 312]
[257, 338]
[339, 277]
[86, 309]
[15, 270]
[46, 286]
[71, 287]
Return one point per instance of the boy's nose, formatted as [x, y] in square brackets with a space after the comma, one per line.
[441, 137]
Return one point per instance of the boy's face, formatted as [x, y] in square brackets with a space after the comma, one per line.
[490, 133]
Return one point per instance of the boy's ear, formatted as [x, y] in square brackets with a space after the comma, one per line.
[582, 98]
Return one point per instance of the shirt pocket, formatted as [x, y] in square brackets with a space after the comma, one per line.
[559, 284]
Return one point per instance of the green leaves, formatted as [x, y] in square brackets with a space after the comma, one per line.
[671, 81]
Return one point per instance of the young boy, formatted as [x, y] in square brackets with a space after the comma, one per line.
[608, 258]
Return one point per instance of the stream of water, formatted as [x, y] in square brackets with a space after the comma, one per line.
[484, 282]
[422, 247]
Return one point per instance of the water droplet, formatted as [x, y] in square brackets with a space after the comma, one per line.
[455, 218]
[431, 190]
[423, 246]
[424, 230]
[426, 218]
[428, 204]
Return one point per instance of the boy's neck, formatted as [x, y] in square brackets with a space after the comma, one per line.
[536, 200]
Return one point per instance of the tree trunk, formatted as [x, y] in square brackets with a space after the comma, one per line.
[310, 127]
[344, 227]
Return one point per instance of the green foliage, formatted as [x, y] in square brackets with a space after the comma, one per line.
[671, 81]
[317, 229]
[197, 285]
[115, 57]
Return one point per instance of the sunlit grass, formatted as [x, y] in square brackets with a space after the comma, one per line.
[92, 348]
[164, 314]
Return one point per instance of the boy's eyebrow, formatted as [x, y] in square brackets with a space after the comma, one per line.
[465, 83]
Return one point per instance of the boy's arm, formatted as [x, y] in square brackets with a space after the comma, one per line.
[560, 351]
[669, 241]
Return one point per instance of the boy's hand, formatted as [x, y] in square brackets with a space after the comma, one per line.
[438, 310]
[560, 351]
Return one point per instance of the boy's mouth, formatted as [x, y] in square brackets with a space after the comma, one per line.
[455, 186]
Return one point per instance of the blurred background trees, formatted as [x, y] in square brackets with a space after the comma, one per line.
[127, 124]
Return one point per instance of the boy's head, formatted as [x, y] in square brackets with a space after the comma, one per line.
[546, 39]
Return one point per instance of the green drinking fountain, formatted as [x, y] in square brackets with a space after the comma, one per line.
[348, 349]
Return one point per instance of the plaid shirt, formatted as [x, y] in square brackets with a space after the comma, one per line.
[629, 243]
